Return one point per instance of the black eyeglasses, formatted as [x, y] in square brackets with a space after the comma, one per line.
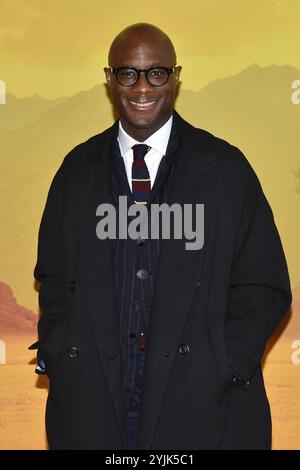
[156, 76]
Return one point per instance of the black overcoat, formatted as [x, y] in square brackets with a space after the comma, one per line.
[212, 309]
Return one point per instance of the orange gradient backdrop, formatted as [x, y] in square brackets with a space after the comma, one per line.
[241, 67]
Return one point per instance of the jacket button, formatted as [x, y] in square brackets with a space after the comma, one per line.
[184, 349]
[142, 274]
[73, 352]
[140, 241]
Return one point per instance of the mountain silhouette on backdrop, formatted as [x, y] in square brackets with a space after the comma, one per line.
[15, 320]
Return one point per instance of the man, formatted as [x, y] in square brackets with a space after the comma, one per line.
[149, 345]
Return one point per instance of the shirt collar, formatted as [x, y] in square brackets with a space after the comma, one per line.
[158, 140]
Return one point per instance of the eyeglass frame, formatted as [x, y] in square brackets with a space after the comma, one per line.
[169, 70]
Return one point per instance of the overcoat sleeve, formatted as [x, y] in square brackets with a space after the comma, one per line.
[48, 271]
[259, 293]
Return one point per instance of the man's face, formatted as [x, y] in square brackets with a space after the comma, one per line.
[137, 119]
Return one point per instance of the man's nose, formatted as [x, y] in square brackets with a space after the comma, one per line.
[142, 85]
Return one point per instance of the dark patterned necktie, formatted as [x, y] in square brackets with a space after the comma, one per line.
[141, 183]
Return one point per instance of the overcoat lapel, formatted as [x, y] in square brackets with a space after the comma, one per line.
[95, 269]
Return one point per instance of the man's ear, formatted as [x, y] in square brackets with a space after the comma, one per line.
[177, 72]
[107, 71]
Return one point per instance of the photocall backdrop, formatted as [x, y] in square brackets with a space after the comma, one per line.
[240, 81]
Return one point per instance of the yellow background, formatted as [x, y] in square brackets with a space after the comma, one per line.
[239, 59]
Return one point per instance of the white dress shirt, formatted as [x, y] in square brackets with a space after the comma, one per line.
[158, 143]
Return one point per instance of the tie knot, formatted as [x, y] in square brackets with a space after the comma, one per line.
[139, 151]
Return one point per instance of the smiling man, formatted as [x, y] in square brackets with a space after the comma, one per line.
[148, 345]
[144, 100]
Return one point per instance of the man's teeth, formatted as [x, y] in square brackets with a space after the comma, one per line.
[142, 105]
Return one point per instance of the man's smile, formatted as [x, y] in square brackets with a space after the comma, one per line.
[142, 105]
